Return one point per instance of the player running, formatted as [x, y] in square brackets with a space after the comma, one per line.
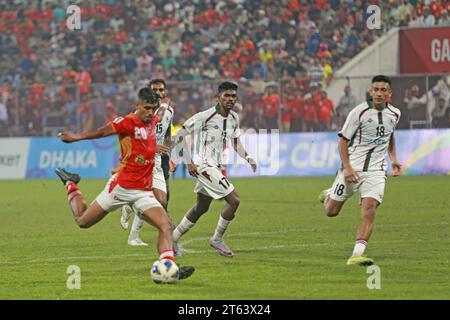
[365, 139]
[160, 173]
[131, 182]
[213, 127]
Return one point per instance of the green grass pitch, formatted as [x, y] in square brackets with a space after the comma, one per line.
[285, 248]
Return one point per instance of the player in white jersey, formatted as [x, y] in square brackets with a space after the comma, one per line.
[213, 128]
[365, 139]
[160, 178]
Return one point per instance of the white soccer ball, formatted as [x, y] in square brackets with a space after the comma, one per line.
[165, 271]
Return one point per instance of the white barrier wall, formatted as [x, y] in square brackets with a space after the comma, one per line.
[14, 157]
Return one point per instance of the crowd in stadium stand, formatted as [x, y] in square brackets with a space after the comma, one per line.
[282, 52]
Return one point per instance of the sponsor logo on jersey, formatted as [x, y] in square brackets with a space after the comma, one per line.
[378, 141]
[140, 159]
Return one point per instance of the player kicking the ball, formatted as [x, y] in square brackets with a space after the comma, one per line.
[132, 181]
[160, 173]
[365, 139]
[213, 128]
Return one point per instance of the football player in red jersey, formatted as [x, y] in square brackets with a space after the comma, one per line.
[131, 182]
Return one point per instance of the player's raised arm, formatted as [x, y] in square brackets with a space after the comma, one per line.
[239, 148]
[396, 167]
[69, 137]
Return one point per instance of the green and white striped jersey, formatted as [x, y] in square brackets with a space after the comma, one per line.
[212, 131]
[368, 132]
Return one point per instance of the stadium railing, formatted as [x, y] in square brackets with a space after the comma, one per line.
[36, 114]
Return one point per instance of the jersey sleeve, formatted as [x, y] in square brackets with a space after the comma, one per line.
[398, 118]
[351, 124]
[194, 123]
[123, 125]
[237, 131]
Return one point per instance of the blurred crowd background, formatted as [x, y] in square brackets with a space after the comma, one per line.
[283, 54]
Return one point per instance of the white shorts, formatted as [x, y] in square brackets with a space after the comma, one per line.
[212, 183]
[370, 185]
[158, 179]
[139, 200]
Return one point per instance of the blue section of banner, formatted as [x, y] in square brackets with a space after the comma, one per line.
[295, 154]
[90, 158]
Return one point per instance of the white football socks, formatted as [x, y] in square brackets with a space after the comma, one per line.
[182, 228]
[360, 246]
[222, 226]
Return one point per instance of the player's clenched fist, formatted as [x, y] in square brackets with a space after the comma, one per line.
[68, 137]
[396, 169]
[351, 175]
[252, 163]
[192, 170]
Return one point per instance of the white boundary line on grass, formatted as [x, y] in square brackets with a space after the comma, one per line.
[184, 250]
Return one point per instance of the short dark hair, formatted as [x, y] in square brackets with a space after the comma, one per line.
[227, 85]
[155, 81]
[381, 78]
[148, 95]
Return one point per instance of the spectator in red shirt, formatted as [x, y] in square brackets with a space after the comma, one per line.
[297, 112]
[286, 110]
[325, 113]
[271, 104]
[310, 115]
[435, 8]
[84, 79]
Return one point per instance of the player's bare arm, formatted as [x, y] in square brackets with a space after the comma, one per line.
[350, 174]
[239, 148]
[168, 136]
[166, 147]
[396, 166]
[69, 137]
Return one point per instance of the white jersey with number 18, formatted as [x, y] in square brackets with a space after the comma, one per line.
[368, 131]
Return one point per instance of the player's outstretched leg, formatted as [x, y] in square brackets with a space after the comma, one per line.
[85, 217]
[227, 215]
[163, 199]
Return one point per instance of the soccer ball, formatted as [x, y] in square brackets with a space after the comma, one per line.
[165, 271]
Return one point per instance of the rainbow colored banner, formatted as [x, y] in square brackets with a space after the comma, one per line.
[424, 151]
[421, 152]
